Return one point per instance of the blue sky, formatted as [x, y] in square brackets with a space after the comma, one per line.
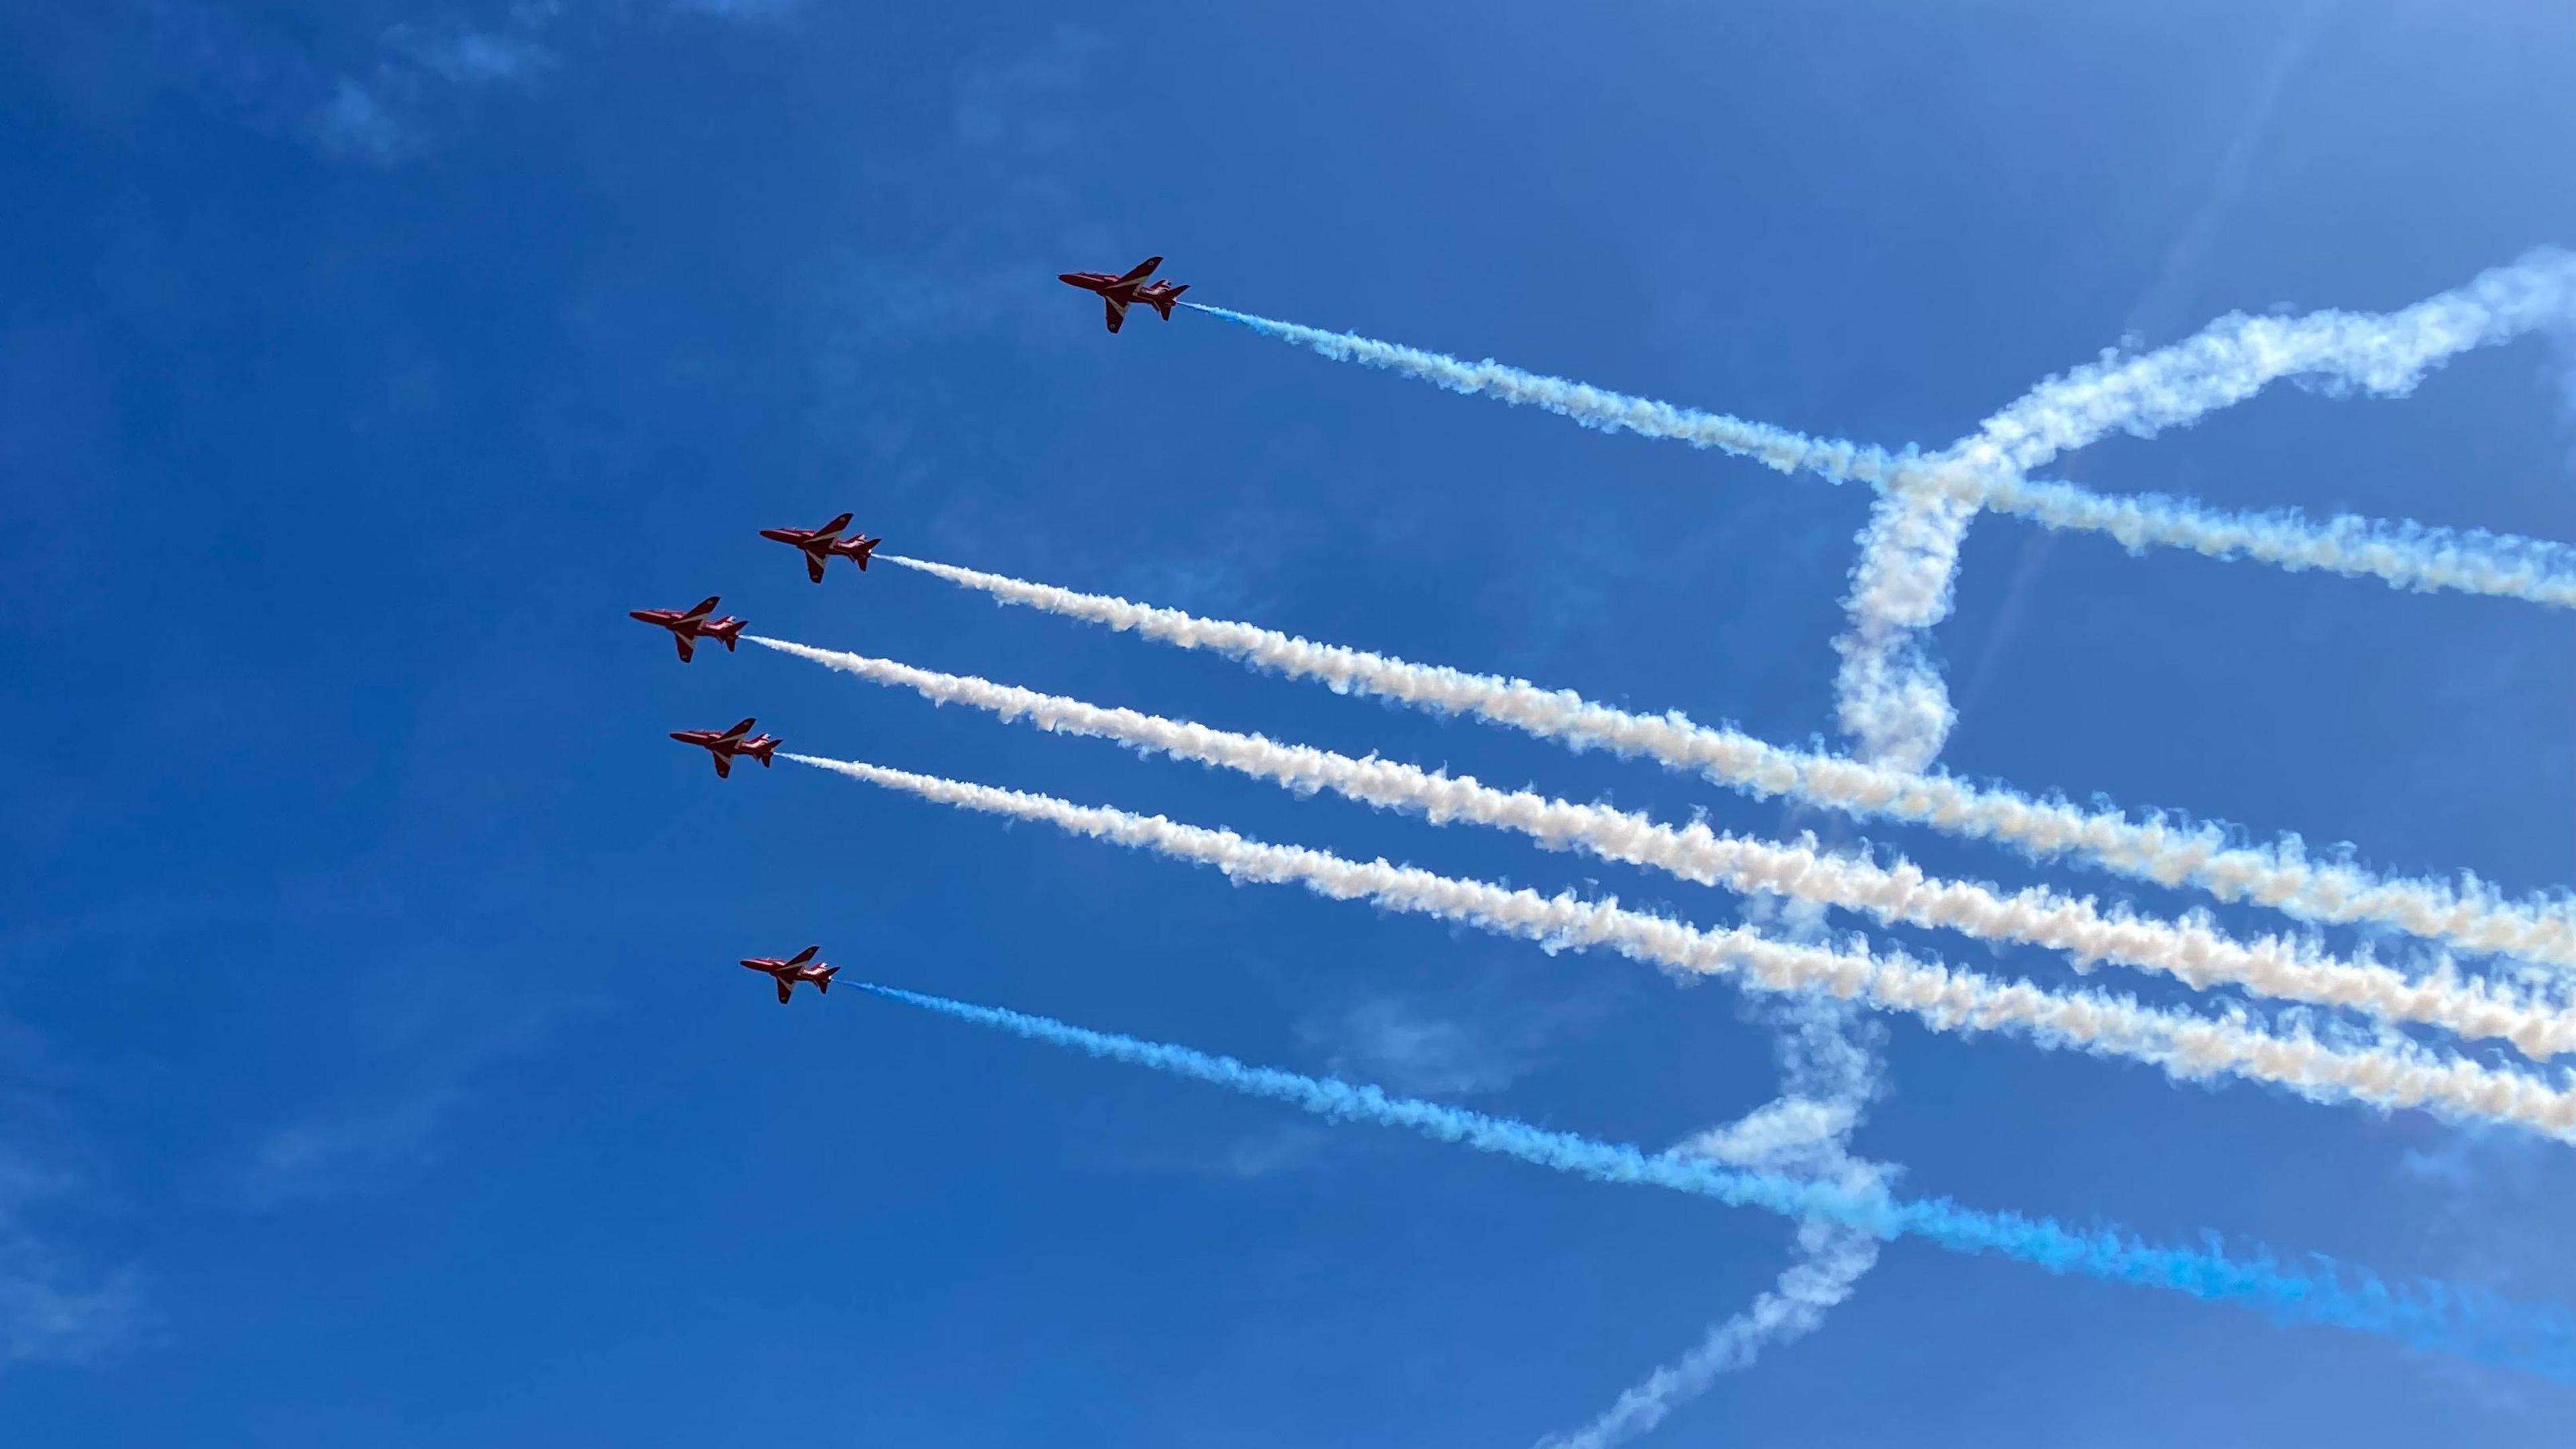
[373, 1067]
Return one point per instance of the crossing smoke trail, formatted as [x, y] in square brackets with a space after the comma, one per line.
[2391, 1074]
[1888, 694]
[1830, 1071]
[1889, 691]
[2141, 395]
[1896, 894]
[2470, 915]
[2432, 1317]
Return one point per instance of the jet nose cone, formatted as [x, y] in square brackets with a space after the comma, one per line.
[641, 616]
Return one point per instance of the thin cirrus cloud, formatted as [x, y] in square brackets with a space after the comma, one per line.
[52, 1308]
[389, 97]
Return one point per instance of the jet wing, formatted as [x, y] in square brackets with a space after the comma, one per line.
[724, 764]
[786, 989]
[1142, 270]
[685, 651]
[1117, 312]
[814, 567]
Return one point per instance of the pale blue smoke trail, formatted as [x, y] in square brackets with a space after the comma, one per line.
[1593, 407]
[2172, 387]
[2432, 1317]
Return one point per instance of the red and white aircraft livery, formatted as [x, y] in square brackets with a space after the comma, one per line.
[694, 625]
[821, 544]
[1119, 293]
[725, 744]
[800, 967]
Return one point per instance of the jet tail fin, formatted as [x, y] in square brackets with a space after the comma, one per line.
[823, 979]
[727, 633]
[1163, 303]
[761, 752]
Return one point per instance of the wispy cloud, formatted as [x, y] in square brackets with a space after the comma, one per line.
[1274, 1151]
[740, 9]
[388, 96]
[372, 1145]
[1481, 1043]
[51, 1311]
[367, 1149]
[54, 1307]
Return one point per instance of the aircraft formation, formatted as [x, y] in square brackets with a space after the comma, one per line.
[820, 546]
[1886, 777]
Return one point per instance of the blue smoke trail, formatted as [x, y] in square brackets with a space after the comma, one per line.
[2433, 1317]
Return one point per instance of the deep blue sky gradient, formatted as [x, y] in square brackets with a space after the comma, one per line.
[372, 1064]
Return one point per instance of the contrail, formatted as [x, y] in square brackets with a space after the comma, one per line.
[2170, 851]
[2431, 1317]
[2227, 362]
[1890, 695]
[2393, 1073]
[1829, 1073]
[1895, 894]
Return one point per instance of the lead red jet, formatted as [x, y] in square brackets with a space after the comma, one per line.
[1119, 293]
[800, 967]
[725, 744]
[694, 625]
[821, 544]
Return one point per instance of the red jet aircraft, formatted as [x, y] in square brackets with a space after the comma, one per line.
[820, 544]
[800, 967]
[1121, 292]
[694, 625]
[725, 744]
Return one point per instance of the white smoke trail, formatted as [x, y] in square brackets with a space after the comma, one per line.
[2392, 1073]
[1890, 694]
[1898, 893]
[1829, 1074]
[2469, 915]
[2227, 362]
